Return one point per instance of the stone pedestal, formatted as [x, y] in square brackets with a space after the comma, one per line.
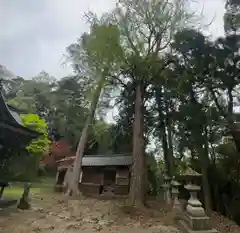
[186, 228]
[194, 220]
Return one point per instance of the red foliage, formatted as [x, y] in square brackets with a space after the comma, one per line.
[48, 160]
[58, 150]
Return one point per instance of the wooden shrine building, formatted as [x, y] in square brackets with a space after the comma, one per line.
[13, 135]
[14, 138]
[101, 174]
[12, 132]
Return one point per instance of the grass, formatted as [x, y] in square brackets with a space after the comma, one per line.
[16, 188]
[16, 192]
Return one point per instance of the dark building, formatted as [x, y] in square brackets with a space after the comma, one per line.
[13, 135]
[14, 138]
[101, 174]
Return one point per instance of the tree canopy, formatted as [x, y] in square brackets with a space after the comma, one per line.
[174, 88]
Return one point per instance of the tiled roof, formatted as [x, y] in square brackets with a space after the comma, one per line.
[107, 161]
[116, 160]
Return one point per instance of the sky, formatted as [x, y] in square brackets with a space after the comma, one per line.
[35, 34]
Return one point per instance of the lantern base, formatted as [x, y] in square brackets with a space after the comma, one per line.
[183, 226]
[190, 224]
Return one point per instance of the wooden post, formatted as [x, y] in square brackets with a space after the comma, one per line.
[1, 192]
[24, 202]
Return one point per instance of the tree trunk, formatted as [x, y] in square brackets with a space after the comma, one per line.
[206, 188]
[230, 100]
[234, 128]
[73, 184]
[138, 168]
[235, 132]
[168, 123]
[170, 147]
[204, 162]
[199, 132]
[162, 129]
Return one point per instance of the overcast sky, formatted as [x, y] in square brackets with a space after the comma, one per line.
[34, 34]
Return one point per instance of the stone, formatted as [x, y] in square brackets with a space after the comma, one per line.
[194, 207]
[88, 220]
[73, 226]
[165, 229]
[190, 172]
[175, 192]
[167, 187]
[183, 226]
[104, 223]
[40, 210]
[195, 219]
[198, 223]
[98, 228]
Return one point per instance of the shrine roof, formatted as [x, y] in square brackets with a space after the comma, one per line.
[11, 121]
[101, 160]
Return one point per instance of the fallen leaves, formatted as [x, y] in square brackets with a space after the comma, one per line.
[54, 213]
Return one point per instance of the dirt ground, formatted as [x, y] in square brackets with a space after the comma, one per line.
[57, 214]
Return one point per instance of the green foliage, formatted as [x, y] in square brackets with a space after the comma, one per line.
[38, 146]
[189, 86]
[153, 185]
[229, 160]
[232, 16]
[33, 96]
[103, 46]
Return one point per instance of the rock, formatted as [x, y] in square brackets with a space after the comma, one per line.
[52, 214]
[37, 229]
[40, 210]
[87, 220]
[73, 226]
[104, 223]
[165, 229]
[98, 228]
[137, 225]
[95, 219]
[63, 217]
[51, 228]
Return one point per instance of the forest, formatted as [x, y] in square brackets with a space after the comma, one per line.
[175, 92]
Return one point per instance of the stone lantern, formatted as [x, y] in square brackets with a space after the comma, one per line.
[175, 192]
[194, 219]
[193, 189]
[194, 206]
[167, 187]
[188, 177]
